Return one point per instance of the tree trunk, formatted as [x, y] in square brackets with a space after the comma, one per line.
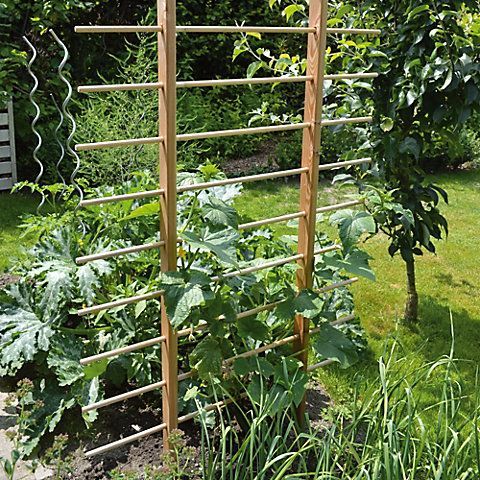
[411, 307]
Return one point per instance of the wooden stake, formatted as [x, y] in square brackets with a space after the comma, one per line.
[309, 183]
[167, 105]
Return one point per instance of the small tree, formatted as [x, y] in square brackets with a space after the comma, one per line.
[429, 87]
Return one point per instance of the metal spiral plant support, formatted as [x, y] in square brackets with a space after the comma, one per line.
[59, 142]
[35, 119]
[69, 116]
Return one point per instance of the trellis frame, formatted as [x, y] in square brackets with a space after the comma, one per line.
[166, 30]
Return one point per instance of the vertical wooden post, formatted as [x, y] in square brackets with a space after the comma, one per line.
[310, 158]
[167, 104]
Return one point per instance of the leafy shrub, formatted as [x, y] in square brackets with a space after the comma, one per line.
[41, 330]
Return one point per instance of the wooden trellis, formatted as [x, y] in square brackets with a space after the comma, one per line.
[166, 30]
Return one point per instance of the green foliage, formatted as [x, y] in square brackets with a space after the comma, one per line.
[41, 329]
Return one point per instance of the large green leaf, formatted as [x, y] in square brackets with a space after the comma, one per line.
[352, 224]
[183, 295]
[219, 213]
[23, 335]
[252, 327]
[64, 359]
[206, 358]
[221, 243]
[356, 262]
[330, 343]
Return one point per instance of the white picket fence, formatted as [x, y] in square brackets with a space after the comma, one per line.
[8, 165]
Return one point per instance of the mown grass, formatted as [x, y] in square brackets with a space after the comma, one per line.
[448, 284]
[12, 207]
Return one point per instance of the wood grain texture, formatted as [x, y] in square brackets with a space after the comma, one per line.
[167, 104]
[310, 158]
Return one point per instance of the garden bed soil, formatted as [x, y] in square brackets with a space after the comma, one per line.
[117, 422]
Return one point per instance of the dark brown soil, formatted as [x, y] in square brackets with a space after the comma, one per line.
[118, 422]
[262, 162]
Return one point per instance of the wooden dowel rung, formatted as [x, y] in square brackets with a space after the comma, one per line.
[257, 268]
[351, 76]
[122, 350]
[119, 303]
[119, 252]
[119, 87]
[330, 248]
[126, 440]
[339, 206]
[336, 165]
[346, 121]
[268, 221]
[118, 29]
[242, 81]
[241, 29]
[241, 131]
[249, 178]
[218, 29]
[82, 147]
[354, 31]
[123, 396]
[151, 431]
[208, 408]
[219, 83]
[122, 198]
[311, 368]
[336, 285]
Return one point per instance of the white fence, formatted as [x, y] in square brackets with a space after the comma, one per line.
[8, 166]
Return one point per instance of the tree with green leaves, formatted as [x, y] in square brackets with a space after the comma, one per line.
[428, 87]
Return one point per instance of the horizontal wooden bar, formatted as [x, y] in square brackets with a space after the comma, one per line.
[241, 29]
[151, 431]
[241, 131]
[131, 394]
[339, 206]
[243, 81]
[5, 152]
[5, 168]
[82, 147]
[119, 87]
[346, 121]
[269, 221]
[195, 186]
[354, 31]
[123, 396]
[121, 351]
[349, 163]
[246, 179]
[219, 29]
[119, 252]
[257, 268]
[118, 29]
[126, 440]
[3, 119]
[219, 82]
[336, 285]
[351, 76]
[122, 198]
[316, 366]
[119, 303]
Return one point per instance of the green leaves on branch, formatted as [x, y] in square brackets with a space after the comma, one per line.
[352, 225]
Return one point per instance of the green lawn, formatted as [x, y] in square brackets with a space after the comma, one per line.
[11, 208]
[448, 283]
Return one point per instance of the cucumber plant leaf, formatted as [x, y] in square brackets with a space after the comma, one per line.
[330, 343]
